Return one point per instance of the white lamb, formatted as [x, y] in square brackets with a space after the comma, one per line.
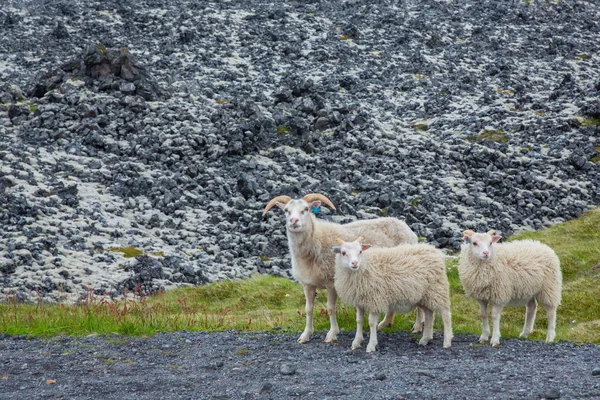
[514, 274]
[310, 241]
[397, 279]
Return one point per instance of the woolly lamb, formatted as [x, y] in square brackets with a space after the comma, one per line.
[514, 274]
[396, 279]
[310, 241]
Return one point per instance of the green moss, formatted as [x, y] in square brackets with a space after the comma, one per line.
[33, 107]
[101, 48]
[384, 212]
[421, 127]
[415, 202]
[264, 258]
[344, 37]
[583, 56]
[493, 135]
[596, 158]
[586, 121]
[128, 252]
[222, 101]
[157, 253]
[356, 192]
[282, 130]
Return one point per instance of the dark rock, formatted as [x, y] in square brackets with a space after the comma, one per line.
[550, 394]
[287, 369]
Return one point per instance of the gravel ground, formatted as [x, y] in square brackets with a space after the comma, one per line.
[168, 125]
[233, 365]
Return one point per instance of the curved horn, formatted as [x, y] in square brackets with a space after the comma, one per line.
[340, 241]
[278, 199]
[491, 232]
[316, 196]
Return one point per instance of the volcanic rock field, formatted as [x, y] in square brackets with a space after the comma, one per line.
[141, 139]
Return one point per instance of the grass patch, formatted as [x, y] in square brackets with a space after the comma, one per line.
[491, 135]
[270, 303]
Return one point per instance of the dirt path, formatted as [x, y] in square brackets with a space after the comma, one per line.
[234, 365]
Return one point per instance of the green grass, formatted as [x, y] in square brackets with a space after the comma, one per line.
[269, 303]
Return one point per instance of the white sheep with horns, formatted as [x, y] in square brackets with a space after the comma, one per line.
[396, 279]
[518, 273]
[310, 241]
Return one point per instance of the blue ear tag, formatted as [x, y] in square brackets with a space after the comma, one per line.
[467, 241]
[336, 249]
[315, 209]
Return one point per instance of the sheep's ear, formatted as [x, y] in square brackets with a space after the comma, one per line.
[316, 203]
[280, 205]
[467, 236]
[336, 250]
[366, 247]
[496, 238]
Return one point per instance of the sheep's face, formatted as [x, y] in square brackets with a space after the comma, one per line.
[350, 254]
[481, 244]
[297, 214]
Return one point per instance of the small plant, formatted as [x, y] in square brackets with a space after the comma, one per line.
[222, 101]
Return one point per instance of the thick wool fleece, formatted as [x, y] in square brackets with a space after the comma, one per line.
[396, 280]
[517, 272]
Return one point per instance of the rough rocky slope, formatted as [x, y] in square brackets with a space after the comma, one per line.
[163, 127]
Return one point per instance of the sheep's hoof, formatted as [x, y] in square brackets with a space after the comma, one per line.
[524, 334]
[383, 325]
[371, 349]
[301, 340]
[483, 340]
[447, 346]
[354, 347]
[330, 340]
[495, 344]
[423, 342]
[417, 329]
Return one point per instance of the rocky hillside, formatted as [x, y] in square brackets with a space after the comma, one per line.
[160, 129]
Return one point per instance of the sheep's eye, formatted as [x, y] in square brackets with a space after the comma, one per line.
[475, 244]
[343, 253]
[306, 209]
[360, 252]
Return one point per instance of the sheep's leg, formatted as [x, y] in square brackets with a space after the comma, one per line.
[418, 326]
[388, 320]
[428, 329]
[529, 318]
[551, 333]
[333, 329]
[310, 292]
[496, 312]
[360, 319]
[373, 319]
[447, 319]
[485, 332]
